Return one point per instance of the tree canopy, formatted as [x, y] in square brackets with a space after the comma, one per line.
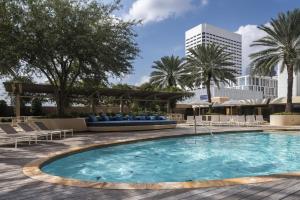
[168, 72]
[66, 41]
[282, 46]
[210, 63]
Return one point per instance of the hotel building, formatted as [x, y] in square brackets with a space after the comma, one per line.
[206, 34]
[268, 86]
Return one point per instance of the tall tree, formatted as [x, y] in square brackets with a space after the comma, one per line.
[68, 41]
[210, 63]
[282, 46]
[168, 72]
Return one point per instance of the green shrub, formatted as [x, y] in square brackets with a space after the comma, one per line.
[36, 107]
[3, 108]
[286, 113]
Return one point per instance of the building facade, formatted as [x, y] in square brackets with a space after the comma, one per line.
[206, 34]
[229, 93]
[282, 84]
[268, 86]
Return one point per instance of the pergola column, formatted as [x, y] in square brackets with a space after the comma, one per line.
[168, 106]
[18, 105]
[92, 102]
[121, 105]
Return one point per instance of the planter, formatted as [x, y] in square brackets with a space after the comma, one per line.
[77, 124]
[285, 120]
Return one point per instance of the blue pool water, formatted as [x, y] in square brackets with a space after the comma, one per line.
[184, 159]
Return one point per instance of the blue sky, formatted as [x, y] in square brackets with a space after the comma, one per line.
[165, 22]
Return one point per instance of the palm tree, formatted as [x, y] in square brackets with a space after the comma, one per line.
[169, 71]
[210, 63]
[282, 47]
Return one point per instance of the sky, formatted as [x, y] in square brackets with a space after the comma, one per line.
[165, 22]
[162, 32]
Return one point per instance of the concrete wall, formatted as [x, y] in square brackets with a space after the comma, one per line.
[284, 120]
[77, 124]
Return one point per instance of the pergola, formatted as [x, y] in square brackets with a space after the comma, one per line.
[29, 90]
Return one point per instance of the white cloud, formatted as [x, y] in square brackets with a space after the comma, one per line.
[249, 34]
[143, 79]
[159, 10]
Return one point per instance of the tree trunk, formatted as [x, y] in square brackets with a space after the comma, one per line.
[289, 103]
[208, 92]
[61, 102]
[209, 96]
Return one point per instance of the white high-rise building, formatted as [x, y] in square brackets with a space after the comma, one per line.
[205, 34]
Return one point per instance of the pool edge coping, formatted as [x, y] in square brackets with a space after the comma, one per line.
[33, 170]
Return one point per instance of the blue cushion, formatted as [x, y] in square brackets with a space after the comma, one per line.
[118, 118]
[105, 118]
[137, 118]
[162, 118]
[100, 119]
[148, 118]
[142, 118]
[92, 118]
[152, 117]
[130, 117]
[111, 118]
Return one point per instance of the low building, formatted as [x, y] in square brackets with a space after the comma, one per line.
[266, 85]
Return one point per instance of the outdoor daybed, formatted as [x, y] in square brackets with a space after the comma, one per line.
[97, 124]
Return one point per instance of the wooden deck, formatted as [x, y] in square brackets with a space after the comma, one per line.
[14, 185]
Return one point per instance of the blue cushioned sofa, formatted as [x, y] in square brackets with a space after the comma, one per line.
[128, 123]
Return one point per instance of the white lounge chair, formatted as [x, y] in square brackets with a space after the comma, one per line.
[259, 119]
[43, 127]
[190, 120]
[28, 129]
[250, 120]
[239, 120]
[10, 135]
[225, 120]
[215, 120]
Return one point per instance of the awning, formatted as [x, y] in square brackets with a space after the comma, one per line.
[282, 100]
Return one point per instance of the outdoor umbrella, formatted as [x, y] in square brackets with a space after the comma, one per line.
[198, 104]
[232, 103]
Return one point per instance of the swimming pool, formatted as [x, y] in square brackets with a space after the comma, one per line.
[183, 159]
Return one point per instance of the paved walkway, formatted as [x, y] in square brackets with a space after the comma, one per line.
[14, 185]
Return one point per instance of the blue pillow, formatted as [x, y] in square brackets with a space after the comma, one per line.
[137, 118]
[152, 117]
[112, 118]
[142, 118]
[148, 118]
[105, 118]
[118, 118]
[92, 118]
[100, 119]
[130, 117]
[162, 118]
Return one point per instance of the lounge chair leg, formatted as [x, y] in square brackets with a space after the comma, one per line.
[16, 143]
[36, 139]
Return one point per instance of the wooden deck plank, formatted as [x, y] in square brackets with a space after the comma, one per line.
[15, 185]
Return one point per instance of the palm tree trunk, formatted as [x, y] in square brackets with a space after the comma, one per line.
[289, 103]
[208, 93]
[209, 96]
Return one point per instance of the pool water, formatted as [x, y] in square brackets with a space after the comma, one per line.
[184, 159]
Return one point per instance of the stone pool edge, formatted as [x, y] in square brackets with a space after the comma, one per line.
[33, 170]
